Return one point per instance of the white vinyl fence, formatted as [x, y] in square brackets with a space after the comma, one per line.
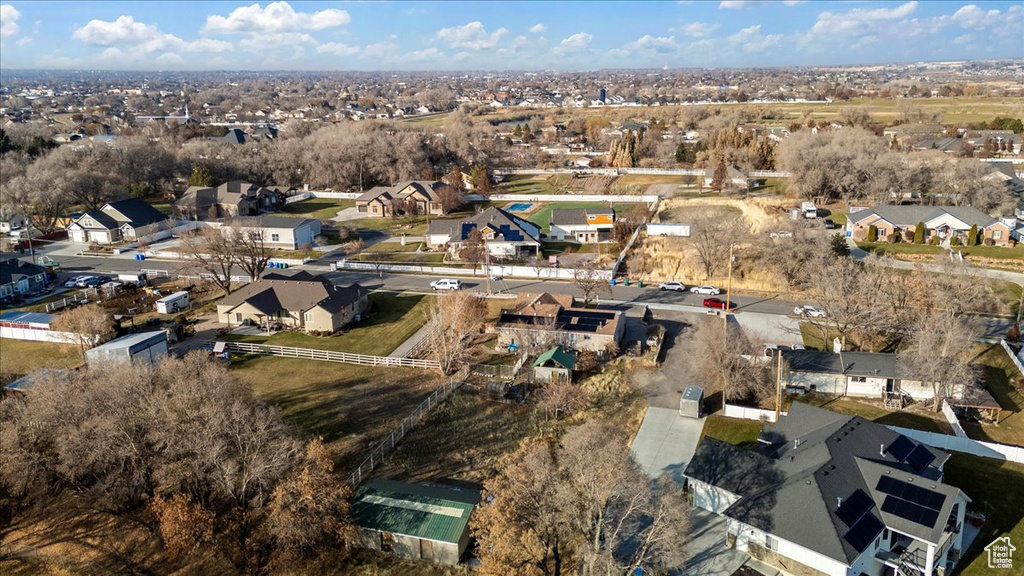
[954, 422]
[328, 355]
[732, 411]
[622, 171]
[36, 334]
[1013, 355]
[505, 271]
[956, 444]
[621, 198]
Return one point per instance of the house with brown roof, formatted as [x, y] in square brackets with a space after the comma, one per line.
[415, 196]
[235, 198]
[546, 320]
[302, 301]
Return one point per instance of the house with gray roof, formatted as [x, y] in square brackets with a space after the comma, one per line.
[946, 222]
[412, 197]
[280, 231]
[234, 198]
[828, 493]
[18, 277]
[506, 235]
[120, 221]
[303, 301]
[584, 225]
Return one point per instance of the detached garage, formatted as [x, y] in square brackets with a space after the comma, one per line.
[141, 347]
[413, 520]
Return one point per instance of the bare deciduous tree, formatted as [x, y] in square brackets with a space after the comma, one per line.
[711, 234]
[938, 352]
[739, 369]
[210, 253]
[591, 279]
[562, 399]
[455, 319]
[250, 250]
[89, 325]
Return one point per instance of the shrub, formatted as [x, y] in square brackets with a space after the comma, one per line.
[933, 241]
[872, 233]
[954, 241]
[919, 233]
[892, 238]
[910, 236]
[972, 235]
[989, 242]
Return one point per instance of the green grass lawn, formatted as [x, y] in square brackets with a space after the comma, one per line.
[319, 208]
[998, 375]
[433, 120]
[905, 419]
[648, 179]
[393, 247]
[392, 320]
[997, 490]
[900, 248]
[542, 216]
[409, 225]
[736, 431]
[526, 184]
[20, 357]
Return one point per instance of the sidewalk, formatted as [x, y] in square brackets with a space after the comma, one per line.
[407, 347]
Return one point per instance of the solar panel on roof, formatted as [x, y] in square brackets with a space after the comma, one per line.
[920, 458]
[900, 448]
[864, 531]
[854, 507]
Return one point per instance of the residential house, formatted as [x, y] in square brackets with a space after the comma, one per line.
[585, 225]
[906, 134]
[734, 177]
[866, 374]
[506, 235]
[948, 145]
[18, 278]
[555, 365]
[1005, 141]
[423, 522]
[281, 231]
[833, 494]
[419, 196]
[544, 320]
[124, 220]
[303, 301]
[582, 162]
[946, 222]
[11, 221]
[235, 198]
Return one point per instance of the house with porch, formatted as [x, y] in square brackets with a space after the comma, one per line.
[18, 278]
[946, 222]
[120, 221]
[230, 199]
[833, 494]
[584, 225]
[545, 320]
[302, 301]
[504, 234]
[416, 196]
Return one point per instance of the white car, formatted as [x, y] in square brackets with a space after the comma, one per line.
[446, 284]
[73, 281]
[807, 310]
[677, 286]
[706, 290]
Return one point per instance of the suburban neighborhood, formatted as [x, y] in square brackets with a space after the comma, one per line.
[417, 289]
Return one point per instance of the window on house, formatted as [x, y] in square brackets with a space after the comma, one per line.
[997, 234]
[771, 542]
[308, 316]
[275, 237]
[238, 317]
[858, 379]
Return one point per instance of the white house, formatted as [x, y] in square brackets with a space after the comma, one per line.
[585, 225]
[281, 231]
[506, 235]
[833, 494]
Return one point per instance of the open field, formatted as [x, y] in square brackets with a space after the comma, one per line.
[22, 356]
[995, 489]
[526, 184]
[318, 208]
[392, 320]
[999, 375]
[648, 179]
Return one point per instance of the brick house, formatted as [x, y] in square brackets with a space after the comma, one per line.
[946, 222]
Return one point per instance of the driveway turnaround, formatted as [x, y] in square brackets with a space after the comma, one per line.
[666, 442]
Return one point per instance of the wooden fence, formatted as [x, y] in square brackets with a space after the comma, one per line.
[329, 355]
[386, 445]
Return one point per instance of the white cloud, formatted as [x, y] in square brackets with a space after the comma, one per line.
[431, 53]
[699, 29]
[8, 21]
[262, 42]
[380, 50]
[337, 48]
[276, 17]
[963, 39]
[972, 17]
[750, 39]
[538, 28]
[578, 42]
[659, 44]
[472, 36]
[170, 59]
[142, 37]
[208, 45]
[860, 20]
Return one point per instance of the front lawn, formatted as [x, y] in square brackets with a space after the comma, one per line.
[19, 357]
[318, 208]
[999, 374]
[392, 320]
[742, 433]
[996, 489]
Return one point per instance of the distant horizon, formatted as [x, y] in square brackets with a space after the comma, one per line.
[501, 36]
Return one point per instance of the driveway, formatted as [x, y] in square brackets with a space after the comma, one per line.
[348, 214]
[666, 442]
[706, 553]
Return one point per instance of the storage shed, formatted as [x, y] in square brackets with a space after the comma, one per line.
[414, 520]
[691, 404]
[144, 346]
[555, 365]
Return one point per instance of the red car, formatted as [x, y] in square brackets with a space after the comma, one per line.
[715, 303]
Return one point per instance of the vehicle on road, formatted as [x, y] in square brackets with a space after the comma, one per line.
[716, 303]
[87, 281]
[677, 286]
[446, 284]
[808, 310]
[706, 290]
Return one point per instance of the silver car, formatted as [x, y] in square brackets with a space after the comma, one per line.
[706, 290]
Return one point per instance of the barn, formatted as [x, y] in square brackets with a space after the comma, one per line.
[423, 522]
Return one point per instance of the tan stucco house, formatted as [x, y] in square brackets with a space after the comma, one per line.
[303, 301]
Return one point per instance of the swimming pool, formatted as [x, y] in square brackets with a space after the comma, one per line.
[519, 206]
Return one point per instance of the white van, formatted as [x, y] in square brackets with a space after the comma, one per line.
[446, 284]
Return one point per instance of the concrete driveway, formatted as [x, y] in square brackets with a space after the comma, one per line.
[706, 553]
[666, 442]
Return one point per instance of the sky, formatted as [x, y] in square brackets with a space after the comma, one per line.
[499, 35]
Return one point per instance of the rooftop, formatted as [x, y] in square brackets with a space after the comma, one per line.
[424, 511]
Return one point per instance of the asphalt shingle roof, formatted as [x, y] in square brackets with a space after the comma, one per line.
[911, 215]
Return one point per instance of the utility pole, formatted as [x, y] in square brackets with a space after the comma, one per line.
[31, 250]
[1020, 304]
[728, 294]
[487, 266]
[778, 386]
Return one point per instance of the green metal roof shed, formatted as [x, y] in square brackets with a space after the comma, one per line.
[429, 512]
[560, 356]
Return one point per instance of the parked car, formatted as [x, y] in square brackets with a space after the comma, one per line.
[73, 281]
[706, 290]
[446, 284]
[808, 310]
[87, 281]
[716, 303]
[677, 286]
[830, 225]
